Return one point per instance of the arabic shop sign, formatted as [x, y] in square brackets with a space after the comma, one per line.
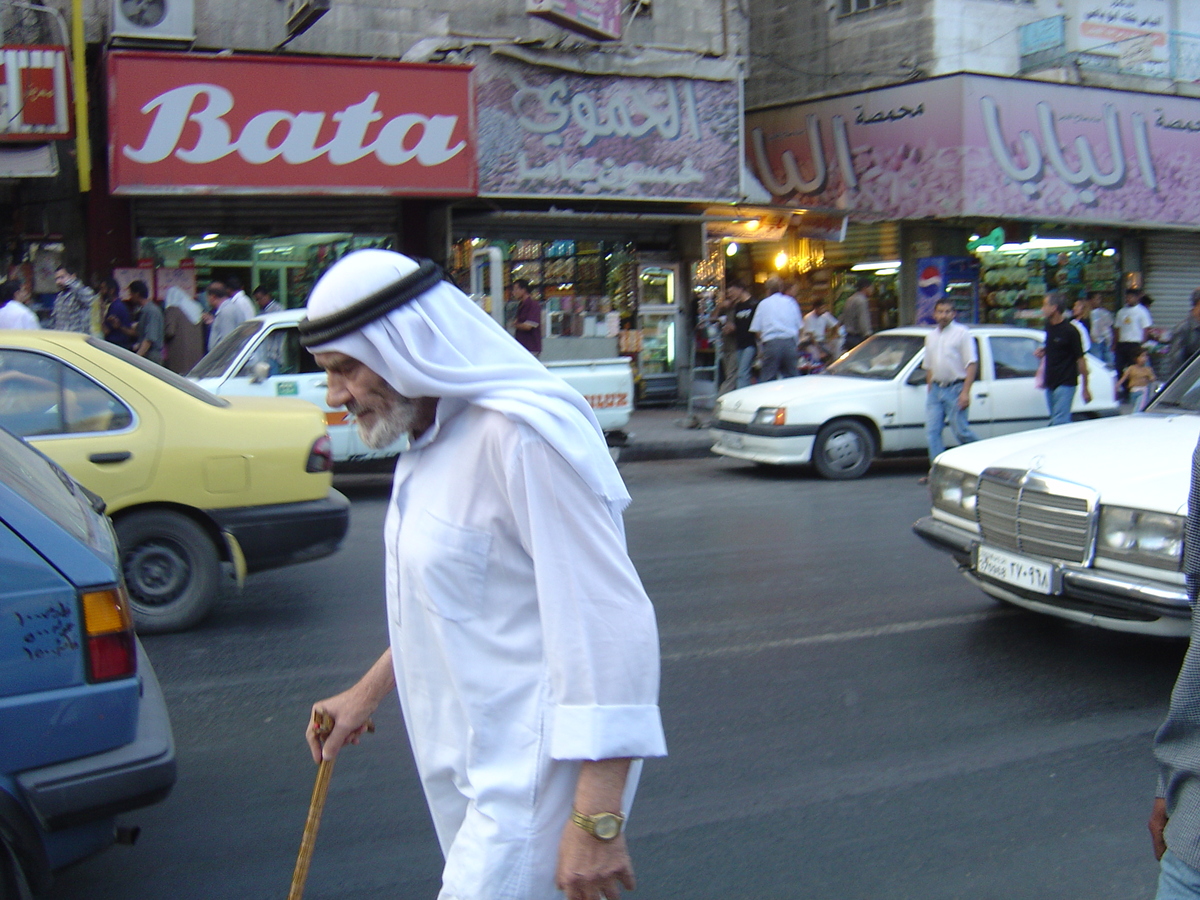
[34, 97]
[248, 124]
[971, 145]
[547, 133]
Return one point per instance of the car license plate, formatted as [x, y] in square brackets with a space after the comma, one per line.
[733, 439]
[1019, 571]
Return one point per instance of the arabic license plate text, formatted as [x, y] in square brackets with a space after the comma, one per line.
[1015, 570]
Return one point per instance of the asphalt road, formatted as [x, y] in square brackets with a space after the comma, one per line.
[846, 717]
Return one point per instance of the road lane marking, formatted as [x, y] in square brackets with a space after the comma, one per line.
[837, 637]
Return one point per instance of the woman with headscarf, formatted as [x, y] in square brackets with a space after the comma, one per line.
[183, 332]
[522, 644]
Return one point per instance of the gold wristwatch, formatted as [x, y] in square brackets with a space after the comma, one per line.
[603, 826]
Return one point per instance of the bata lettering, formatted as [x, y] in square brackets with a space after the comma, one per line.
[292, 136]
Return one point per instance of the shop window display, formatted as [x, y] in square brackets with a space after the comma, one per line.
[1015, 278]
[581, 284]
[287, 266]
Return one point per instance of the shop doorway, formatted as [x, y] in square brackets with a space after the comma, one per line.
[287, 266]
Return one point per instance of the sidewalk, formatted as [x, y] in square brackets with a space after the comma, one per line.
[664, 433]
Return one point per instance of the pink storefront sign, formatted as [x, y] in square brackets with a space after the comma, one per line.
[982, 146]
[546, 133]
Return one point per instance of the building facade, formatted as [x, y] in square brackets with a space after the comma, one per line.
[1030, 146]
[575, 144]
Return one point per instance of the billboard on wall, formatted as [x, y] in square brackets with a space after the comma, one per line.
[547, 133]
[598, 19]
[250, 124]
[1135, 32]
[35, 101]
[983, 146]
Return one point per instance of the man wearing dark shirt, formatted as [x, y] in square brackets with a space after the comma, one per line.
[149, 323]
[118, 321]
[528, 328]
[743, 337]
[1065, 363]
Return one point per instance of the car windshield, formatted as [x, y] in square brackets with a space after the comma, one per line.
[217, 360]
[1182, 393]
[160, 372]
[880, 356]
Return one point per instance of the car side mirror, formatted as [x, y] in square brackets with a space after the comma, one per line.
[260, 372]
[916, 376]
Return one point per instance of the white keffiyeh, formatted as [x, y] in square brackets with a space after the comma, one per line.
[443, 345]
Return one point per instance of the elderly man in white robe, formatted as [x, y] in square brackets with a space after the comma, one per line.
[522, 644]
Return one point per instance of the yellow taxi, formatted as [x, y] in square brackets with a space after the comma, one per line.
[192, 481]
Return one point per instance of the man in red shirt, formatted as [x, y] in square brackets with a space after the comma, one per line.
[528, 328]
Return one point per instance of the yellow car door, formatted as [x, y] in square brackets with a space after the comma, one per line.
[105, 435]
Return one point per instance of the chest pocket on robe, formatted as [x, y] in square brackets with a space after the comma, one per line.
[446, 566]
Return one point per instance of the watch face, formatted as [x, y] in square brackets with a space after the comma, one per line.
[607, 826]
[146, 13]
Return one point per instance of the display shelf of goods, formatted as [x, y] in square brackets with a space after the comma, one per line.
[587, 269]
[560, 270]
[527, 250]
[530, 271]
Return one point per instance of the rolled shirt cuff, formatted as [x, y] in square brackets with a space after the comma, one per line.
[607, 732]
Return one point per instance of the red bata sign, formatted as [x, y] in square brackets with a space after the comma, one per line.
[34, 98]
[269, 125]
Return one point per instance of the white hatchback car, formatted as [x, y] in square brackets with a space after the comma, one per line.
[871, 402]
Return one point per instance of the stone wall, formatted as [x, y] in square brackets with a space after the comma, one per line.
[386, 29]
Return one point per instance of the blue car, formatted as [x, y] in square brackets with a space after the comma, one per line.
[86, 734]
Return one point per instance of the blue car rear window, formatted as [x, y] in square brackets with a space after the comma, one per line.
[48, 488]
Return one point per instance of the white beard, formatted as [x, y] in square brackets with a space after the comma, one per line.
[389, 423]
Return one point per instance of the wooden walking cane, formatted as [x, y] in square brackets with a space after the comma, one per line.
[322, 726]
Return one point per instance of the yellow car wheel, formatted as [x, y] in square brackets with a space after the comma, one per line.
[171, 568]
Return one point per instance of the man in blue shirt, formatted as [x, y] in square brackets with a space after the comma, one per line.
[118, 321]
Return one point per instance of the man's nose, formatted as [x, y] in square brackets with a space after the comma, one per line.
[335, 392]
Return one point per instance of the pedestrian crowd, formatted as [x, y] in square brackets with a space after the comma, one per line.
[174, 331]
[777, 334]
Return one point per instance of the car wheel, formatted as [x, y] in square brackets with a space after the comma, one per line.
[844, 449]
[13, 884]
[171, 570]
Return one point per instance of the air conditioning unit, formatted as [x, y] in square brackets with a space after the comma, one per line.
[154, 20]
[301, 14]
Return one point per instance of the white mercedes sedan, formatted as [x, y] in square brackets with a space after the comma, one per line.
[871, 402]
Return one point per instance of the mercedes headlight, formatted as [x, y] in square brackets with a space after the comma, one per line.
[954, 491]
[1137, 536]
[771, 415]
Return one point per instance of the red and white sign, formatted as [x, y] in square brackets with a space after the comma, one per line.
[270, 125]
[34, 97]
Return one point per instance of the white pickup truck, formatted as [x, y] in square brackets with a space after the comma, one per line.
[263, 358]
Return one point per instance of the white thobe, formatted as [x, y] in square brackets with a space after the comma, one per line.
[523, 642]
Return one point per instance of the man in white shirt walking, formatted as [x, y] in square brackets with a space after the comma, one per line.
[14, 311]
[951, 364]
[777, 322]
[522, 644]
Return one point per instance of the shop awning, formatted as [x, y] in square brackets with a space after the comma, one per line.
[36, 161]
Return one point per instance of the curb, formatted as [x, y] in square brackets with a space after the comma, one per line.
[650, 452]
